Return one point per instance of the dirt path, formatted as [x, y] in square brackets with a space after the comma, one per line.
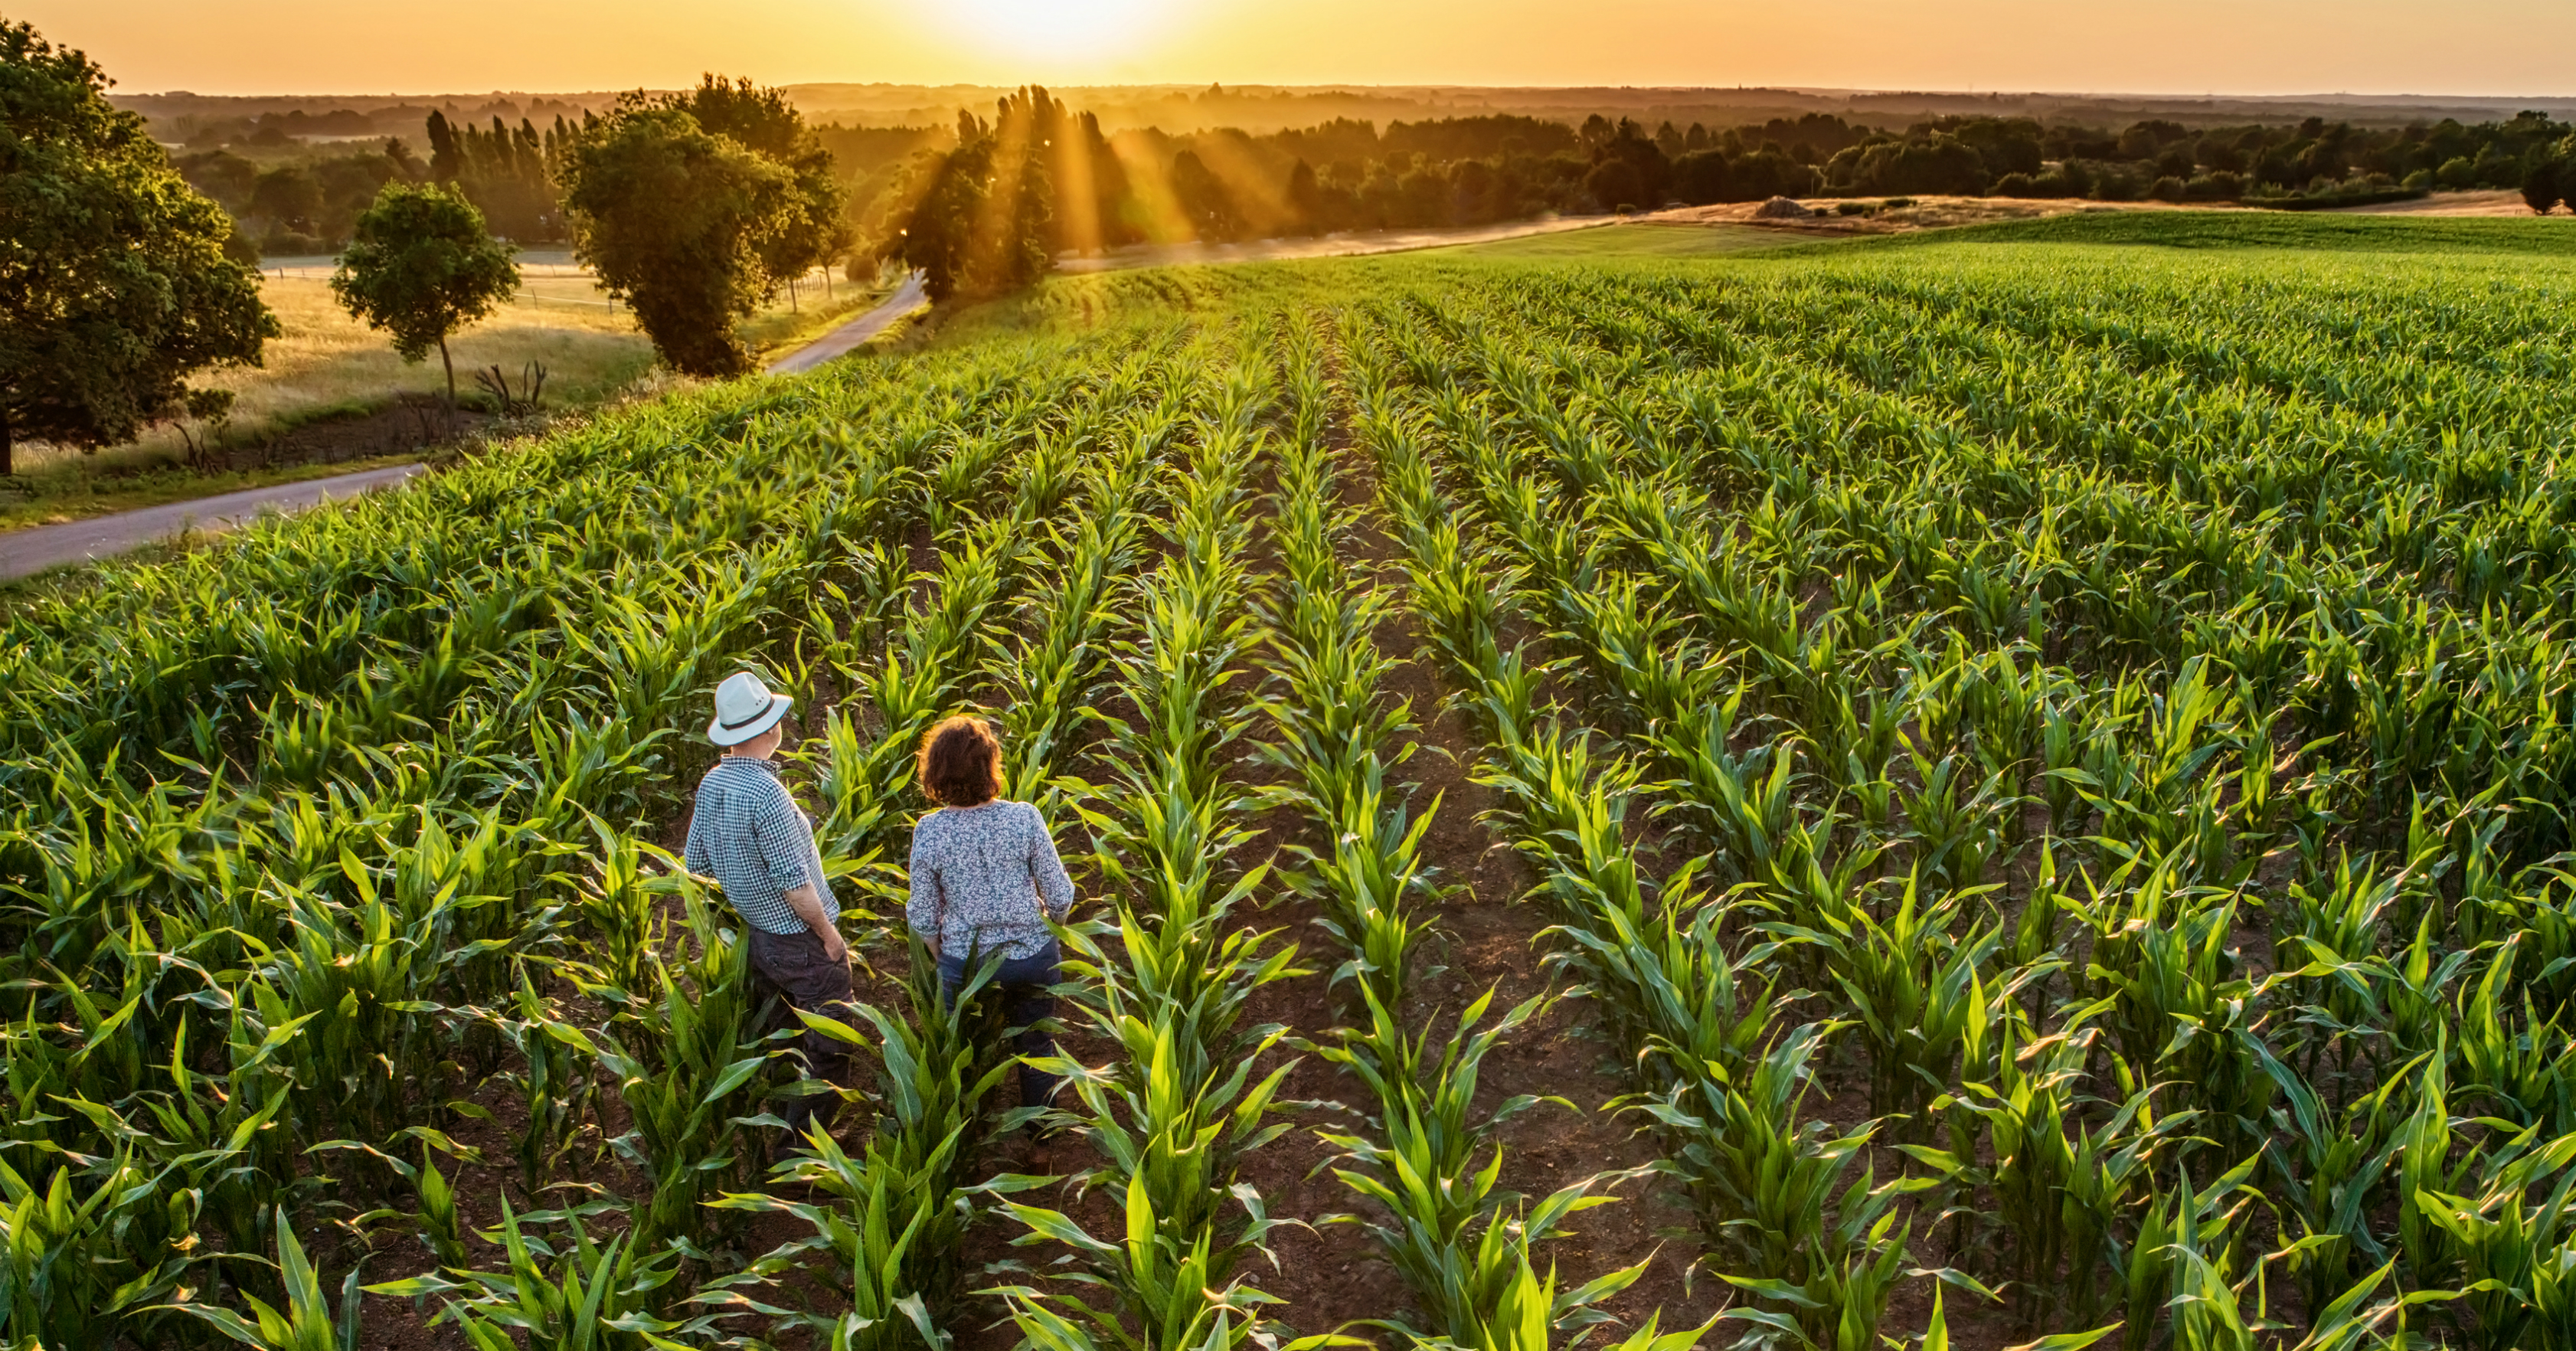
[1329, 246]
[840, 341]
[24, 553]
[2487, 202]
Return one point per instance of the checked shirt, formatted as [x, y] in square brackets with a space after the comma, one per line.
[748, 834]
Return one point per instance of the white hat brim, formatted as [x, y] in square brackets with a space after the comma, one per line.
[722, 735]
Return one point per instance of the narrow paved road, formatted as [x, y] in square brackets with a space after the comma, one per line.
[906, 298]
[24, 553]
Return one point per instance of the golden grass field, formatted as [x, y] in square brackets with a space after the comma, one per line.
[327, 364]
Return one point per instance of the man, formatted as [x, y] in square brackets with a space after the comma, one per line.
[748, 834]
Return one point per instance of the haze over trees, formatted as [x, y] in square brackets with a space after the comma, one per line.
[507, 173]
[114, 284]
[967, 207]
[984, 220]
[691, 207]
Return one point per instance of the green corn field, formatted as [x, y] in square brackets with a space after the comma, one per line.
[2013, 793]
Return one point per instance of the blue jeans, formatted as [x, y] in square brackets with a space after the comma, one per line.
[1027, 1001]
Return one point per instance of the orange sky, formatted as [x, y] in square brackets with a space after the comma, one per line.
[2168, 46]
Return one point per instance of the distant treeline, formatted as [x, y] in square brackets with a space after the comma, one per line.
[1143, 186]
[507, 172]
[2018, 157]
[307, 203]
[1347, 174]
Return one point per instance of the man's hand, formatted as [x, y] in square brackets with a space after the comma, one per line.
[809, 908]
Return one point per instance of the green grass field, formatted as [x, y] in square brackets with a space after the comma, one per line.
[2306, 233]
[1611, 776]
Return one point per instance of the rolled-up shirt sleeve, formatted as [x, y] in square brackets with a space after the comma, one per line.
[921, 912]
[695, 855]
[786, 844]
[1046, 869]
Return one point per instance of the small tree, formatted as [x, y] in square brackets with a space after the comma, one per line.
[421, 267]
[114, 284]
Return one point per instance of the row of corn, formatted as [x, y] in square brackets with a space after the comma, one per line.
[2130, 1121]
[1427, 1159]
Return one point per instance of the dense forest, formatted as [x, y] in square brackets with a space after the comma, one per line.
[1105, 189]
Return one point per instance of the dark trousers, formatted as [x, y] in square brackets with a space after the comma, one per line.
[792, 968]
[1027, 1001]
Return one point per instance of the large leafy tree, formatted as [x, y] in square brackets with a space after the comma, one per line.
[114, 286]
[811, 230]
[693, 206]
[421, 267]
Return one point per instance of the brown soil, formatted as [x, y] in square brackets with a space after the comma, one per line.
[411, 425]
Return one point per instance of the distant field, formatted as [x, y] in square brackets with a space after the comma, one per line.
[327, 363]
[330, 367]
[2311, 232]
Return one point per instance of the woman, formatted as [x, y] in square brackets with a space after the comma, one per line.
[985, 881]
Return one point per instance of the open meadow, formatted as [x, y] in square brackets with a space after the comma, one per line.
[1633, 774]
[332, 395]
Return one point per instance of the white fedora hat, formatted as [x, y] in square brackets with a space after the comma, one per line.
[744, 709]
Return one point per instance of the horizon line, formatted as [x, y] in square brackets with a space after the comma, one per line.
[1810, 91]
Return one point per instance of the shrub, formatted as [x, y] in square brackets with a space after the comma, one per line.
[2218, 186]
[2017, 185]
[2114, 186]
[2167, 189]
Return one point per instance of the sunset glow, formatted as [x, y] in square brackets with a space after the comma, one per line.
[2179, 46]
[1054, 29]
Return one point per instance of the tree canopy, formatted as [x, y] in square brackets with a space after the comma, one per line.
[421, 267]
[684, 214]
[114, 287]
[810, 230]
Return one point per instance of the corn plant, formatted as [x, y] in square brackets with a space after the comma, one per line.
[595, 1296]
[689, 1080]
[897, 1212]
[307, 1323]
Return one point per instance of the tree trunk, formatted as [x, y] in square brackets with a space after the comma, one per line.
[450, 363]
[6, 468]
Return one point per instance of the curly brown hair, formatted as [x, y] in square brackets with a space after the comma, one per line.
[961, 763]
